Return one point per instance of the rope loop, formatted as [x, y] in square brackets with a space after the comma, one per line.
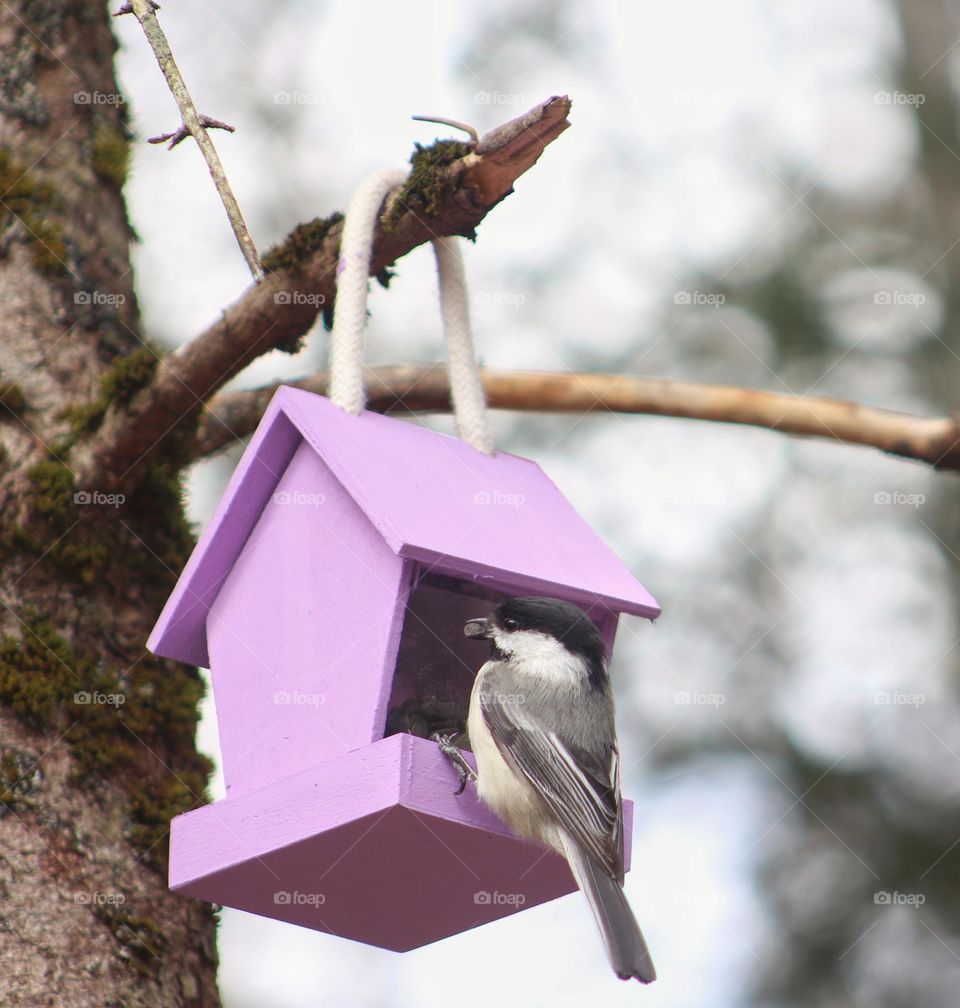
[350, 315]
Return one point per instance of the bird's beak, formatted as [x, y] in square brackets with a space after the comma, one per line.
[478, 628]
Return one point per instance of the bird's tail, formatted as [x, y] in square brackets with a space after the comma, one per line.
[626, 948]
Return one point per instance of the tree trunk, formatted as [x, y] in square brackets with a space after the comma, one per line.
[97, 745]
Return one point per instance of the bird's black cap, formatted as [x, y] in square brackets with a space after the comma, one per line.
[568, 624]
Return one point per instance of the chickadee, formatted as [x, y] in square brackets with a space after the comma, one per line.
[541, 726]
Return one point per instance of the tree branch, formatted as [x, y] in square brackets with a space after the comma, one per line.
[181, 134]
[194, 125]
[936, 441]
[451, 198]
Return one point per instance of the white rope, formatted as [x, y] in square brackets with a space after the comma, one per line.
[466, 387]
[353, 269]
[350, 315]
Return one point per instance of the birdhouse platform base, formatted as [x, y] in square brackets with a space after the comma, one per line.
[372, 845]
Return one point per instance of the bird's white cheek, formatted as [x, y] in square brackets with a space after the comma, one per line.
[542, 657]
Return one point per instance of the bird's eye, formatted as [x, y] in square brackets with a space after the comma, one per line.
[510, 625]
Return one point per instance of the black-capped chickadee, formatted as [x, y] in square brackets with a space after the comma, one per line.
[541, 726]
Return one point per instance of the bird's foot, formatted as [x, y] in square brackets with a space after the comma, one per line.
[465, 772]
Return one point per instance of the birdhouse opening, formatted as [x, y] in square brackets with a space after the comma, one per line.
[436, 661]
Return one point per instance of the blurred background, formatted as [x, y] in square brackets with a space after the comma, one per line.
[755, 193]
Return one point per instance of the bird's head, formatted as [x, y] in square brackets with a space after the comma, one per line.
[545, 632]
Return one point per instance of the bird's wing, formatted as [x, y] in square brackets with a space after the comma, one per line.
[581, 789]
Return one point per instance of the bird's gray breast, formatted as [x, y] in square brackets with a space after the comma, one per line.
[580, 716]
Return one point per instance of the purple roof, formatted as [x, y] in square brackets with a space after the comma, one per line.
[433, 498]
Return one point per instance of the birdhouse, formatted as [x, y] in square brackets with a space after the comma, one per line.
[328, 598]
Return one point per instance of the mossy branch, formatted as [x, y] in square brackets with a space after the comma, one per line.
[449, 191]
[933, 440]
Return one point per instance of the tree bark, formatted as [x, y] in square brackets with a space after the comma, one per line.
[96, 737]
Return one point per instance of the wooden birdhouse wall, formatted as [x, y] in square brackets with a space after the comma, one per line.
[314, 599]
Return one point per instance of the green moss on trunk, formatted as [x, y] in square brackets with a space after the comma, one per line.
[12, 399]
[111, 154]
[113, 720]
[125, 377]
[30, 203]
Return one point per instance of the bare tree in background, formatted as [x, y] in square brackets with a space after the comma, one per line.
[859, 869]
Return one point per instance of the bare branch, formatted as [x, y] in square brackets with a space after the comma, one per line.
[179, 135]
[936, 441]
[194, 125]
[451, 198]
[454, 123]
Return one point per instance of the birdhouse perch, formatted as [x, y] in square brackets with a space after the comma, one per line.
[328, 597]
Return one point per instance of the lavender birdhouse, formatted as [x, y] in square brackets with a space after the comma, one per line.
[328, 597]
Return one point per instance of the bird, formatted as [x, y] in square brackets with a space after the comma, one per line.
[542, 730]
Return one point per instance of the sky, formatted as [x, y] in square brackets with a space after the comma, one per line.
[697, 131]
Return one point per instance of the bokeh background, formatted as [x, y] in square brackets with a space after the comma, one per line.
[755, 193]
